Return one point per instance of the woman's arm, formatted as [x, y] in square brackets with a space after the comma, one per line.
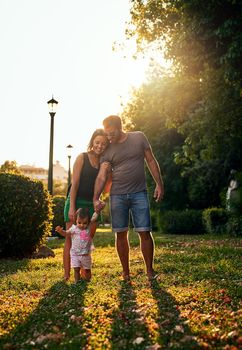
[77, 169]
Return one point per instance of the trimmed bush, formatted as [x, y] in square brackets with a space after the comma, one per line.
[154, 216]
[215, 220]
[58, 212]
[182, 222]
[26, 214]
[234, 226]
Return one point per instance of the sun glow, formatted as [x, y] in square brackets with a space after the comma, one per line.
[77, 65]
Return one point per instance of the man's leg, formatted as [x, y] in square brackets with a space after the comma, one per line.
[122, 246]
[147, 249]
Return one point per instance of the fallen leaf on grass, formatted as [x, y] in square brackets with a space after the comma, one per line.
[8, 346]
[188, 338]
[138, 340]
[76, 319]
[57, 337]
[153, 347]
[179, 328]
[227, 300]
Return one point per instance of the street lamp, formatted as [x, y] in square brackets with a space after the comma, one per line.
[69, 151]
[52, 104]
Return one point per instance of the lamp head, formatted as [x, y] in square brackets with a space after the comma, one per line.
[69, 150]
[52, 104]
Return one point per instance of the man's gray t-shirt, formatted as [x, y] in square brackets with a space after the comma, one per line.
[127, 162]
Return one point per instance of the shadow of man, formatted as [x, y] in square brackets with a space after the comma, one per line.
[129, 330]
[174, 332]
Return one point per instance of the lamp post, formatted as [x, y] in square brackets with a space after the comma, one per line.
[69, 150]
[52, 104]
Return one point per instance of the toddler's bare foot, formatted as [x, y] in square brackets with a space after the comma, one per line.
[125, 277]
[66, 278]
[151, 275]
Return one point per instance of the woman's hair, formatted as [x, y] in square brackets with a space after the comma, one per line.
[113, 120]
[97, 132]
[83, 213]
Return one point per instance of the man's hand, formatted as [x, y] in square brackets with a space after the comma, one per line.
[98, 205]
[158, 193]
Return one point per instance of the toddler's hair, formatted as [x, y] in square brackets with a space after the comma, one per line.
[83, 213]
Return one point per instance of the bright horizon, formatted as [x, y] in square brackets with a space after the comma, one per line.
[65, 49]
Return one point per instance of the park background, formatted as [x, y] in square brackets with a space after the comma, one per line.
[188, 103]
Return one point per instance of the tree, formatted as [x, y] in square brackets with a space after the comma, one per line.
[147, 111]
[10, 167]
[203, 39]
[195, 33]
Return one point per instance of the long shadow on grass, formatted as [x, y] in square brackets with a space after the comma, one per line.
[174, 333]
[128, 328]
[56, 323]
[10, 266]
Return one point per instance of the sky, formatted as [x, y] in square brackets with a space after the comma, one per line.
[61, 48]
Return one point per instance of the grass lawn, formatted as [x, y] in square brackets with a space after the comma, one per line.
[195, 303]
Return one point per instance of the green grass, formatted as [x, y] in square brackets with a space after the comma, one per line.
[193, 304]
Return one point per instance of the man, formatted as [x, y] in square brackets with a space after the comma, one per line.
[127, 154]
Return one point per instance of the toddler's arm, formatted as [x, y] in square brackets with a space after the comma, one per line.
[93, 221]
[62, 232]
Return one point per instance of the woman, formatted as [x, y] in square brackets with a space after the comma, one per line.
[85, 170]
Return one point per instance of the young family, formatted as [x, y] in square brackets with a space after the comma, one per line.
[114, 160]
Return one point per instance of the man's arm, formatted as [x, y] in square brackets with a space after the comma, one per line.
[156, 174]
[100, 184]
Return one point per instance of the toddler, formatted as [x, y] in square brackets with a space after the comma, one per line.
[81, 243]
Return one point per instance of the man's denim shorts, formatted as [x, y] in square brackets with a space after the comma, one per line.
[135, 203]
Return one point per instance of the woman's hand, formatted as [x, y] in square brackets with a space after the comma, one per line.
[71, 215]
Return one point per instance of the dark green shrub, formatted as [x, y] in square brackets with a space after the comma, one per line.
[154, 221]
[58, 212]
[26, 214]
[234, 226]
[182, 222]
[215, 220]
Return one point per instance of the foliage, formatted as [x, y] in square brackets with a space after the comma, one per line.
[215, 220]
[234, 225]
[195, 33]
[26, 213]
[10, 167]
[147, 112]
[59, 188]
[213, 142]
[193, 304]
[182, 222]
[201, 99]
[58, 212]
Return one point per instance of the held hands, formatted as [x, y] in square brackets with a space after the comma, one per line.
[159, 193]
[98, 205]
